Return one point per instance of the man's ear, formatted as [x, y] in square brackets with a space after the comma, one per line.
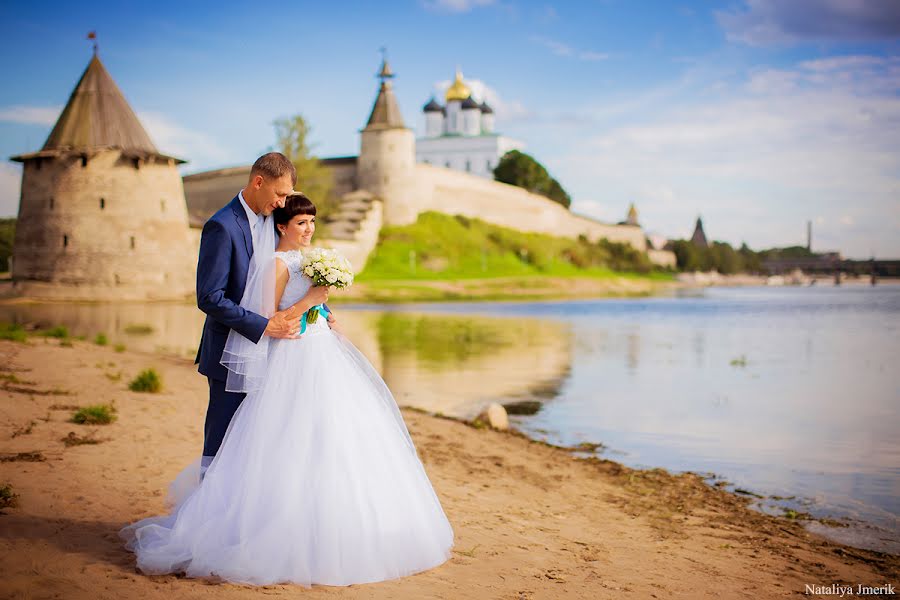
[257, 182]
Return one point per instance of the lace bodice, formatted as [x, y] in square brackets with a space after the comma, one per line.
[298, 284]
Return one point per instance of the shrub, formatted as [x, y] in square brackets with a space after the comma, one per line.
[147, 380]
[101, 340]
[12, 332]
[138, 329]
[7, 498]
[60, 331]
[97, 414]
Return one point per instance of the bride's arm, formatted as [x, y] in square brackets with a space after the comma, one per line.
[281, 279]
[313, 296]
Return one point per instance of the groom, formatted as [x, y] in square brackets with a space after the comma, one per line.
[226, 245]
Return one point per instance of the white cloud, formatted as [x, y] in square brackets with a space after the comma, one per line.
[567, 51]
[10, 186]
[202, 150]
[505, 110]
[594, 209]
[764, 22]
[30, 115]
[757, 162]
[169, 137]
[455, 6]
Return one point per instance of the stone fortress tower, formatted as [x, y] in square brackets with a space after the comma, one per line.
[387, 155]
[102, 213]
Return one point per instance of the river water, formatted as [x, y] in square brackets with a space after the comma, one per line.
[791, 394]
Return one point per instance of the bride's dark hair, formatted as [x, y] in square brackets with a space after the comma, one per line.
[295, 204]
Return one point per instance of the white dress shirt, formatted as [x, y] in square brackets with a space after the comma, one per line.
[256, 220]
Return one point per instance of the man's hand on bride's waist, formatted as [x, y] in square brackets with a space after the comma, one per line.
[284, 324]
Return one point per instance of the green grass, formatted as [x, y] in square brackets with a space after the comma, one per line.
[119, 348]
[101, 339]
[13, 332]
[138, 329]
[442, 247]
[7, 498]
[60, 331]
[97, 414]
[147, 380]
[740, 361]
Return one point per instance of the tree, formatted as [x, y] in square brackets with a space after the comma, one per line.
[520, 169]
[313, 179]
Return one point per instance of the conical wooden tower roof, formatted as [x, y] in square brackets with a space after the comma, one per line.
[386, 111]
[699, 237]
[97, 117]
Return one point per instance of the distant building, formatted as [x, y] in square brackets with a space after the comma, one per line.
[632, 217]
[388, 184]
[102, 212]
[699, 238]
[460, 134]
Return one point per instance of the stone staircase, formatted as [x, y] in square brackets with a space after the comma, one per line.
[353, 228]
[352, 212]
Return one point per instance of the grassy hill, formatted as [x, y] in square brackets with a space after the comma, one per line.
[442, 257]
[439, 246]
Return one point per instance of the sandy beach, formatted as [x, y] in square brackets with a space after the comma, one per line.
[531, 521]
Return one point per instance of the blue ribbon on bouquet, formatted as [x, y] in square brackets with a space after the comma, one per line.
[323, 314]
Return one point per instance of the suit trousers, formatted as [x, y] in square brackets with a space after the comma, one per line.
[222, 406]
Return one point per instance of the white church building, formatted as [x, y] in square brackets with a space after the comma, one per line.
[460, 135]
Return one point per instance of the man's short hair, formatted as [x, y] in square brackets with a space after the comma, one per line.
[274, 165]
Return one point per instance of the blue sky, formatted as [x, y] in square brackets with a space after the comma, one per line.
[757, 115]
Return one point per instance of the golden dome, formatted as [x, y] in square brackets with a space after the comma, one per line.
[458, 90]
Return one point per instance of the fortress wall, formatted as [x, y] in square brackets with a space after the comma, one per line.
[663, 258]
[343, 174]
[105, 224]
[454, 192]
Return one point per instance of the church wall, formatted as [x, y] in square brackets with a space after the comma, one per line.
[479, 153]
[104, 224]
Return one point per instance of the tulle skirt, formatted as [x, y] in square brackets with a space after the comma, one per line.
[316, 482]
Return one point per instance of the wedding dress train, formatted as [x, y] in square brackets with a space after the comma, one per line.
[316, 482]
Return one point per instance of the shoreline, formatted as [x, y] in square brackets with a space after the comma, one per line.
[531, 519]
[497, 289]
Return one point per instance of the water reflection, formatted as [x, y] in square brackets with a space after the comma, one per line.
[156, 327]
[456, 364]
[443, 363]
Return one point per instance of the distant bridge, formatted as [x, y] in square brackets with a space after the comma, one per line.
[831, 265]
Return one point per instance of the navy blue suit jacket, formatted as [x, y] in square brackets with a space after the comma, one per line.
[225, 249]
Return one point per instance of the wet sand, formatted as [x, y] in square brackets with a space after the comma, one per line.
[531, 521]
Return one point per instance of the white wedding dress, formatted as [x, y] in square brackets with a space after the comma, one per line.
[316, 482]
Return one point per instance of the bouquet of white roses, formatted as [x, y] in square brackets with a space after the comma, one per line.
[326, 266]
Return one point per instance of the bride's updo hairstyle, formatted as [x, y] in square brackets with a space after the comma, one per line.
[295, 204]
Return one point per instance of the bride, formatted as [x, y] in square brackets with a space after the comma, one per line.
[317, 480]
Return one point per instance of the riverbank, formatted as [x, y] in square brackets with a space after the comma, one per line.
[532, 287]
[531, 521]
[392, 291]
